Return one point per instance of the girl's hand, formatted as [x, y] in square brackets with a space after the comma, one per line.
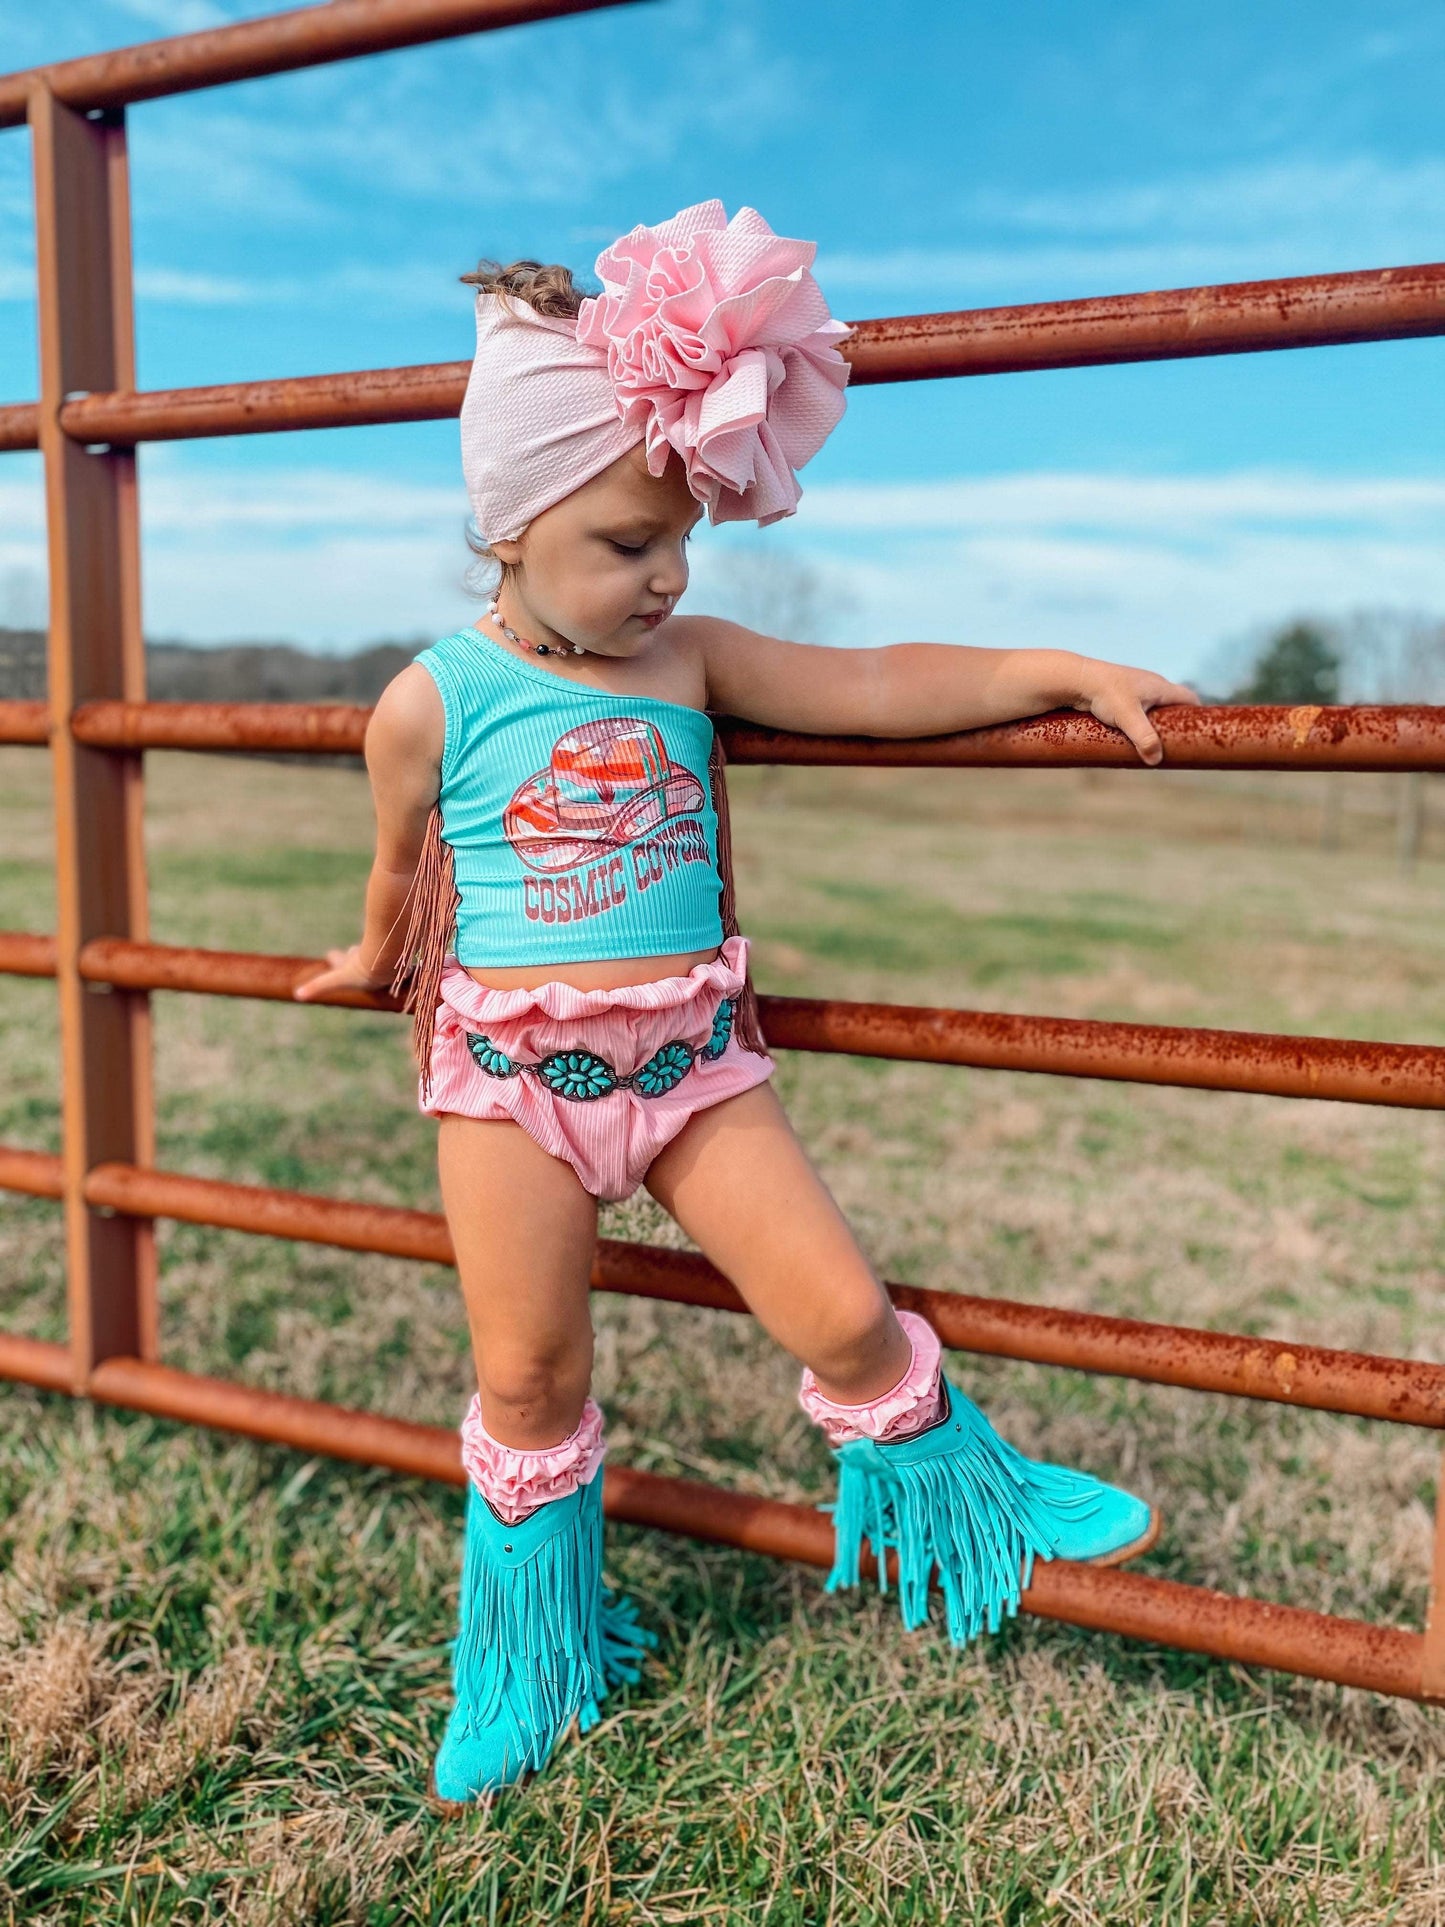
[344, 971]
[1122, 697]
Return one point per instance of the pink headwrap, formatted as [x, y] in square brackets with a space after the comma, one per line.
[711, 337]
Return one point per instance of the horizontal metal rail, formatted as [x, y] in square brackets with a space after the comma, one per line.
[276, 43]
[1317, 1378]
[1359, 737]
[19, 426]
[1169, 324]
[1342, 1070]
[1250, 1632]
[24, 722]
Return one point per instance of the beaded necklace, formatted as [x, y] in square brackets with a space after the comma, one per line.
[541, 648]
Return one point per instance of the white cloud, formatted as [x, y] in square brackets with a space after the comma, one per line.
[1185, 506]
[485, 119]
[179, 288]
[175, 16]
[1278, 195]
[418, 285]
[302, 503]
[1281, 218]
[1157, 569]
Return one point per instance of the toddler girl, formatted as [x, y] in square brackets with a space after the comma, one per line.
[552, 883]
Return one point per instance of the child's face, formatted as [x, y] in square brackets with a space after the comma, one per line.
[595, 563]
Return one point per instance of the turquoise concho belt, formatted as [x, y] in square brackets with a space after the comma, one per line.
[583, 1075]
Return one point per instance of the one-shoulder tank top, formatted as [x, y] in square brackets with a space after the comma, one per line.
[581, 821]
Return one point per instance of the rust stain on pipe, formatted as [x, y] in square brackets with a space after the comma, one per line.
[1383, 1659]
[1347, 1070]
[1404, 1391]
[1247, 317]
[323, 729]
[1343, 1069]
[1166, 324]
[1399, 736]
[426, 391]
[1396, 736]
[275, 43]
[1253, 1632]
[211, 973]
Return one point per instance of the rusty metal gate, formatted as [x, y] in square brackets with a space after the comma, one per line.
[97, 725]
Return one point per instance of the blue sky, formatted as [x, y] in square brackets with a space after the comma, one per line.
[946, 156]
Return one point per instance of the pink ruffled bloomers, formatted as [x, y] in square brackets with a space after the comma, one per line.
[895, 1414]
[515, 1481]
[611, 1140]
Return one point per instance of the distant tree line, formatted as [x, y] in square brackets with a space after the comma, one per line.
[1368, 656]
[252, 672]
[258, 672]
[1371, 656]
[1298, 666]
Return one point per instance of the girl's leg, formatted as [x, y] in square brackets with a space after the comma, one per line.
[743, 1188]
[540, 1640]
[524, 1231]
[952, 1495]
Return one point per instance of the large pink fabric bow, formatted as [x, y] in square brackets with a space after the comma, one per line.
[720, 345]
[711, 338]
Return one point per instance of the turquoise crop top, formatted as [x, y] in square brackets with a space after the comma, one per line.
[581, 822]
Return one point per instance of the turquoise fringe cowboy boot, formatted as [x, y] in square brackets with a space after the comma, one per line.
[957, 1496]
[540, 1640]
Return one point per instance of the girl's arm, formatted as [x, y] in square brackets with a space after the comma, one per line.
[404, 742]
[920, 688]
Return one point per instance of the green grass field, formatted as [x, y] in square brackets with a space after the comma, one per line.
[223, 1667]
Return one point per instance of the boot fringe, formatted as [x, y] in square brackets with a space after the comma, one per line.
[623, 1643]
[982, 1514]
[528, 1642]
[545, 1640]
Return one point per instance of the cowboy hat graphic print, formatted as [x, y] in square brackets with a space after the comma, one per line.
[608, 782]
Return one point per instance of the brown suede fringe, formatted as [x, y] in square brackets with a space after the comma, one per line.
[746, 1027]
[431, 930]
[430, 934]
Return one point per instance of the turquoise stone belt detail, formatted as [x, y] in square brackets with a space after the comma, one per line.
[583, 1075]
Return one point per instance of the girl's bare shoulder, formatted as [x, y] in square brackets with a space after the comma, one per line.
[409, 718]
[674, 668]
[731, 662]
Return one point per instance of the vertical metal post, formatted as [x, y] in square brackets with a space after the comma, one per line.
[1432, 1668]
[1410, 823]
[87, 342]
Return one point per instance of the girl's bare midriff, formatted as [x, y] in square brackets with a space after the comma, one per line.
[607, 973]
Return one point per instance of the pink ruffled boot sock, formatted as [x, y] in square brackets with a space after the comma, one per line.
[914, 1402]
[514, 1481]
